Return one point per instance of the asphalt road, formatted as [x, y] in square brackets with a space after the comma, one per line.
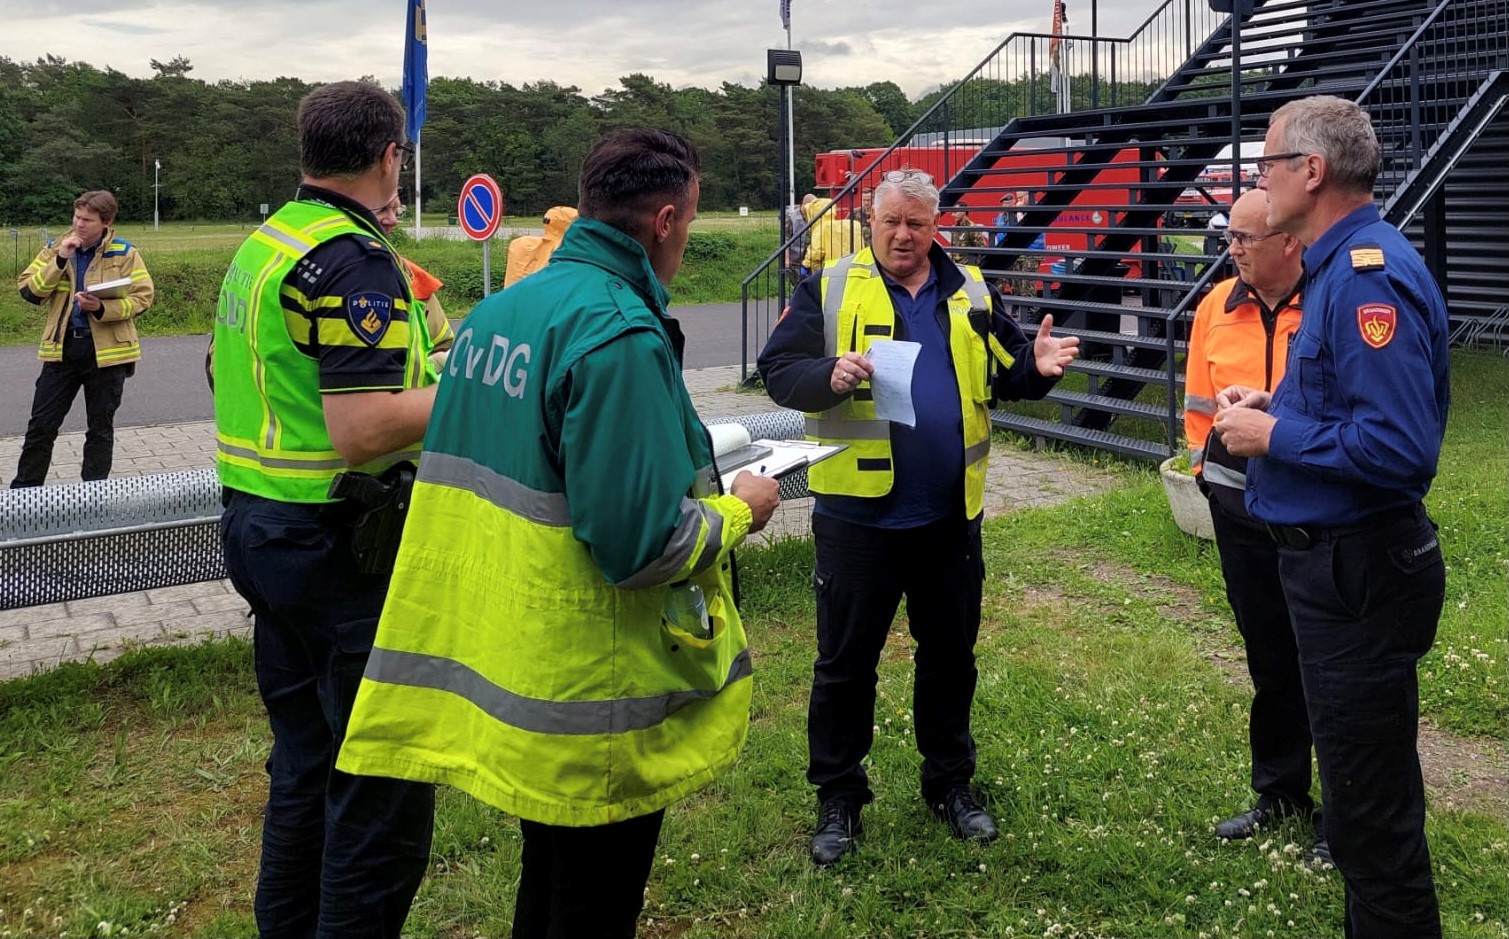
[169, 385]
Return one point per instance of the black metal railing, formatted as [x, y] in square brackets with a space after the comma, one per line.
[1022, 76]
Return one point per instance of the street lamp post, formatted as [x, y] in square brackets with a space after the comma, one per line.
[156, 219]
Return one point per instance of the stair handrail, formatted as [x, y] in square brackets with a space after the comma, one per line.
[911, 131]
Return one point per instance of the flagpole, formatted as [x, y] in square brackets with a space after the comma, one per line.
[790, 134]
[418, 162]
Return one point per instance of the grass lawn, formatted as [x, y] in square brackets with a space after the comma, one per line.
[188, 259]
[1111, 736]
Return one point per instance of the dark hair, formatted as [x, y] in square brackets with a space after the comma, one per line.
[632, 172]
[101, 202]
[345, 127]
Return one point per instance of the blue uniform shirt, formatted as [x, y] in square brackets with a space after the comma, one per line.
[82, 258]
[1362, 406]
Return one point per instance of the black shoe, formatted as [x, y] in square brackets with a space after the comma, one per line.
[1319, 855]
[838, 827]
[1260, 817]
[966, 816]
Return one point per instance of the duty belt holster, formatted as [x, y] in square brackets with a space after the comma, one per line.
[381, 504]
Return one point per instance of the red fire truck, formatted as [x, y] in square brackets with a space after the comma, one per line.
[1024, 170]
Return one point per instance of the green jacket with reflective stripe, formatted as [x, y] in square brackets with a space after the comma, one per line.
[269, 419]
[532, 650]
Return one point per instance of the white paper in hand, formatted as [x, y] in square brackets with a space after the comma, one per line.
[894, 361]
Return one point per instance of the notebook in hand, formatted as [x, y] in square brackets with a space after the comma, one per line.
[109, 289]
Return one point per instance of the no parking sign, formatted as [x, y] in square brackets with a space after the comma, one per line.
[480, 207]
[480, 210]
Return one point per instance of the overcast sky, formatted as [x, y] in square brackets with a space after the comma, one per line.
[587, 43]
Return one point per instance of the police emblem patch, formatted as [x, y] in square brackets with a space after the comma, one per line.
[369, 315]
[1376, 323]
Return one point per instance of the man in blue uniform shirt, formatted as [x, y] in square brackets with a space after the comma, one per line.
[898, 511]
[1347, 447]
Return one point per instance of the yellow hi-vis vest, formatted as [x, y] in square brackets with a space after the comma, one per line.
[505, 663]
[857, 310]
[270, 432]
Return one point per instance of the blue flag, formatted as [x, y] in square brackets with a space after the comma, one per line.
[785, 14]
[416, 68]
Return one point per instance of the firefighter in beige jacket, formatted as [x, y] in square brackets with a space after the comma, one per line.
[88, 341]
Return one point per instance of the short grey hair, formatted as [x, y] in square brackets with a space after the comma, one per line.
[911, 186]
[1336, 129]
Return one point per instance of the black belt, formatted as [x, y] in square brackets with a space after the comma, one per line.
[78, 333]
[1304, 537]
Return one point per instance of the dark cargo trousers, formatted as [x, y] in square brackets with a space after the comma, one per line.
[342, 855]
[1366, 602]
[861, 575]
[1278, 726]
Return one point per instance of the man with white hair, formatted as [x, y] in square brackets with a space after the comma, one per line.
[898, 510]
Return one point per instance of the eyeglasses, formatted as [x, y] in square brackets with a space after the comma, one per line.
[1265, 164]
[1244, 238]
[896, 176]
[405, 154]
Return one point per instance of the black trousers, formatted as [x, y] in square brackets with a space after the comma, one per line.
[342, 855]
[584, 883]
[1278, 726]
[57, 386]
[1366, 604]
[861, 575]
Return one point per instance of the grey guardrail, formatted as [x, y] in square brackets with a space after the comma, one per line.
[133, 533]
[109, 536]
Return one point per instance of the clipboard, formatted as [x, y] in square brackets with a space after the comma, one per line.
[785, 458]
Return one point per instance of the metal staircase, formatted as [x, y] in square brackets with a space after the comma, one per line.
[1104, 181]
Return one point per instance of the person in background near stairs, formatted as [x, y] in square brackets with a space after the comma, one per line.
[1240, 336]
[1347, 447]
[898, 511]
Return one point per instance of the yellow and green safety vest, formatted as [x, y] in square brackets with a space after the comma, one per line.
[509, 662]
[270, 430]
[857, 310]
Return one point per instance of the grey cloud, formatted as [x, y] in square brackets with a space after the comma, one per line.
[586, 43]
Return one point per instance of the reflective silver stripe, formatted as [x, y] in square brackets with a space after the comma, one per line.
[535, 715]
[1199, 404]
[977, 452]
[679, 549]
[1218, 475]
[246, 453]
[286, 240]
[702, 485]
[836, 279]
[459, 472]
[976, 291]
[837, 428]
[1196, 457]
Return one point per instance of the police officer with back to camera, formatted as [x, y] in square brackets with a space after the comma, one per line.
[1347, 447]
[320, 371]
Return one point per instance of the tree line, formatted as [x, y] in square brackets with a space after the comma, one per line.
[229, 146]
[226, 147]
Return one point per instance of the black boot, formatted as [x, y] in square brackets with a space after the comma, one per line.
[838, 827]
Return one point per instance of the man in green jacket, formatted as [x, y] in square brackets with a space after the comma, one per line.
[560, 638]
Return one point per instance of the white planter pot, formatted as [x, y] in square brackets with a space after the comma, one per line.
[1186, 501]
